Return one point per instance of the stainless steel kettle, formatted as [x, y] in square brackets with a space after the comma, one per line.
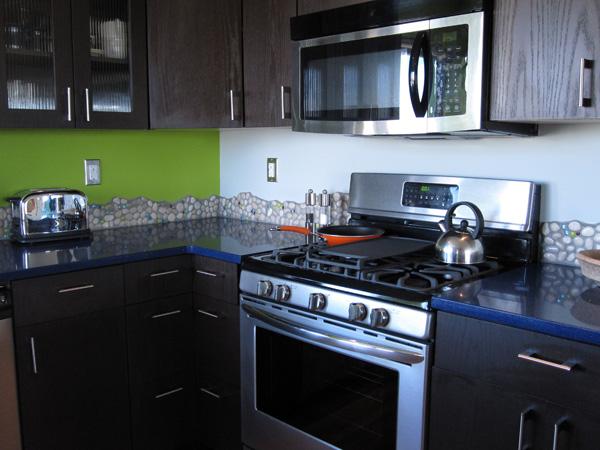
[460, 245]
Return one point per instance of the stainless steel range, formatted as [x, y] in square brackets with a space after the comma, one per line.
[336, 341]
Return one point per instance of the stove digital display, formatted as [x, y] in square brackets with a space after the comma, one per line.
[431, 196]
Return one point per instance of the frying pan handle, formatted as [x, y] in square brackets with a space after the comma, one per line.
[301, 230]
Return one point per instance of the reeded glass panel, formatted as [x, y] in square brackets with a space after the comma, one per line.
[29, 48]
[110, 58]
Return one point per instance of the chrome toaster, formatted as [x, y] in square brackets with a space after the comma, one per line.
[41, 215]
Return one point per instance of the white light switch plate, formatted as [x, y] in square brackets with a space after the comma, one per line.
[92, 172]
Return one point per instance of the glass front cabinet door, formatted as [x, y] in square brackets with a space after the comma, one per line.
[73, 63]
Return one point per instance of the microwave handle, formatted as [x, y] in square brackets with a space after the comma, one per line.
[420, 45]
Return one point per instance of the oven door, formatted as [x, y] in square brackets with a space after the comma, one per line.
[313, 383]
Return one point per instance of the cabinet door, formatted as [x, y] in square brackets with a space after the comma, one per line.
[36, 71]
[109, 44]
[311, 6]
[195, 63]
[268, 53]
[536, 69]
[73, 383]
[467, 414]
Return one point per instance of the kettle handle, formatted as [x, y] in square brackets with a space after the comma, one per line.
[479, 222]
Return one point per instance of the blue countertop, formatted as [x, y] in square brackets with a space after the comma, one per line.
[547, 298]
[226, 239]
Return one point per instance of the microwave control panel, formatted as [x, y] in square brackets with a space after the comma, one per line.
[427, 195]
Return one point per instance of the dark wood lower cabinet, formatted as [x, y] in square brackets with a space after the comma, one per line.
[218, 423]
[73, 383]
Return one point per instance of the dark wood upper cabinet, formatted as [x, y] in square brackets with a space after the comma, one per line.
[36, 64]
[73, 63]
[311, 6]
[268, 62]
[537, 56]
[195, 63]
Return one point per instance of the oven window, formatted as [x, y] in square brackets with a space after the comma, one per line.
[346, 402]
[354, 81]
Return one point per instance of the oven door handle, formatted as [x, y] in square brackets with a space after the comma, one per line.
[379, 351]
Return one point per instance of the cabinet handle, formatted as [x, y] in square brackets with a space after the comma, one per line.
[170, 313]
[524, 416]
[231, 105]
[166, 394]
[208, 274]
[76, 288]
[208, 314]
[162, 274]
[558, 427]
[33, 356]
[586, 65]
[529, 355]
[212, 394]
[87, 105]
[284, 90]
[69, 106]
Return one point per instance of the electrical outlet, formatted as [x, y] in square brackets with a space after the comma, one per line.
[92, 172]
[272, 170]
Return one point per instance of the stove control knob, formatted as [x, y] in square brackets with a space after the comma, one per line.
[379, 318]
[357, 312]
[265, 288]
[282, 293]
[317, 302]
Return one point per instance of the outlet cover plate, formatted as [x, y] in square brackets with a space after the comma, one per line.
[92, 172]
[272, 170]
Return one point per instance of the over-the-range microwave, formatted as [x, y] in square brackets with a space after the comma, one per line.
[417, 68]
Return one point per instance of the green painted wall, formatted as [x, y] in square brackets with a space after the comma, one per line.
[161, 165]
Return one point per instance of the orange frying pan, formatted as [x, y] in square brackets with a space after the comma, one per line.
[338, 234]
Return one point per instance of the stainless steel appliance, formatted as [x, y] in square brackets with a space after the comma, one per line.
[10, 434]
[336, 342]
[396, 67]
[41, 215]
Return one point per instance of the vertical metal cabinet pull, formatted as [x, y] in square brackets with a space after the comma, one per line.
[558, 427]
[530, 355]
[69, 107]
[231, 105]
[168, 393]
[211, 393]
[284, 90]
[524, 416]
[87, 105]
[586, 65]
[33, 355]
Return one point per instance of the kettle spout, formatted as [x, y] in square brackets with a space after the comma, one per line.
[442, 225]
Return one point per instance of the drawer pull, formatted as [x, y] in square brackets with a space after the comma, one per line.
[207, 274]
[558, 427]
[166, 394]
[76, 288]
[208, 314]
[212, 394]
[33, 356]
[163, 274]
[530, 355]
[524, 416]
[170, 313]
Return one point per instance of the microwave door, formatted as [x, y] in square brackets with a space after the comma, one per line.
[456, 73]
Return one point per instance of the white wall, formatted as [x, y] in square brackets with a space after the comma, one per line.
[564, 158]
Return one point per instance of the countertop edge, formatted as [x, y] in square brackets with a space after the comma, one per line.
[550, 328]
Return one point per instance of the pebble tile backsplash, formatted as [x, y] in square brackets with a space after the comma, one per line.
[561, 241]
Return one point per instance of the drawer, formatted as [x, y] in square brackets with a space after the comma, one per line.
[219, 421]
[216, 279]
[160, 336]
[157, 278]
[217, 332]
[490, 352]
[59, 296]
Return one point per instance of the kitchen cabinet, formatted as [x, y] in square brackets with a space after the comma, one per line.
[73, 383]
[268, 56]
[217, 330]
[311, 6]
[66, 64]
[537, 60]
[195, 64]
[484, 396]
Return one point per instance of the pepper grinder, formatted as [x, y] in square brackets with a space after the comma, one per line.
[324, 209]
[311, 201]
